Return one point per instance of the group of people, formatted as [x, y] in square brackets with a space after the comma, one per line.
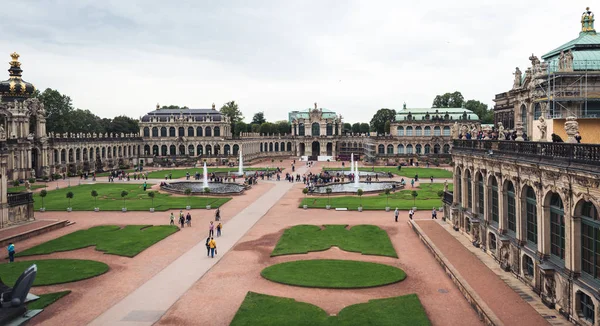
[211, 244]
[411, 213]
[183, 220]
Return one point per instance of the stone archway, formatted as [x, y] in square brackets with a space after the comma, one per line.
[315, 150]
[301, 149]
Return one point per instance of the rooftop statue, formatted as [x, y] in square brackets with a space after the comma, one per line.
[518, 75]
[587, 21]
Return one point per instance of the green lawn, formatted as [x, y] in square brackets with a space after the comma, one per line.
[333, 274]
[427, 199]
[22, 188]
[46, 299]
[266, 310]
[366, 239]
[53, 271]
[128, 241]
[409, 172]
[109, 199]
[180, 173]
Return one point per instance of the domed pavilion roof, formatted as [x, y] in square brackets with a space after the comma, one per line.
[15, 88]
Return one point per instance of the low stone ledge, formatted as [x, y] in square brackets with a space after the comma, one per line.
[483, 311]
[35, 232]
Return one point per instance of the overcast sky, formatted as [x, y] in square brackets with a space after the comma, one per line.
[353, 57]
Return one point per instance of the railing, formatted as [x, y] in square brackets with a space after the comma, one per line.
[448, 197]
[23, 198]
[571, 152]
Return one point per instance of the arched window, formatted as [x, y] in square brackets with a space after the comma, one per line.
[154, 132]
[155, 150]
[190, 131]
[590, 240]
[329, 129]
[459, 187]
[191, 149]
[208, 150]
[289, 146]
[409, 149]
[316, 129]
[208, 132]
[163, 132]
[301, 131]
[199, 150]
[146, 132]
[418, 131]
[528, 266]
[469, 190]
[524, 117]
[236, 149]
[181, 132]
[217, 132]
[172, 150]
[227, 149]
[409, 131]
[172, 132]
[390, 149]
[427, 131]
[531, 216]
[437, 131]
[164, 150]
[198, 131]
[511, 208]
[400, 149]
[261, 147]
[277, 147]
[587, 309]
[400, 131]
[418, 149]
[494, 199]
[537, 111]
[480, 189]
[557, 227]
[270, 147]
[446, 131]
[427, 148]
[381, 149]
[446, 149]
[436, 149]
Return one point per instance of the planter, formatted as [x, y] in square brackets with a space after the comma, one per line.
[387, 208]
[123, 209]
[43, 209]
[152, 210]
[360, 209]
[305, 206]
[69, 209]
[188, 207]
[96, 209]
[207, 206]
[328, 206]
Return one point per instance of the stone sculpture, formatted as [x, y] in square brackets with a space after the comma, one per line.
[543, 128]
[500, 129]
[568, 64]
[518, 76]
[2, 132]
[561, 61]
[454, 130]
[571, 128]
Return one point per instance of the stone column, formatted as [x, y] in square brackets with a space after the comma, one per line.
[572, 242]
[502, 218]
[543, 225]
[520, 214]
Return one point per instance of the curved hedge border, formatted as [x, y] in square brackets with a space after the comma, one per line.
[334, 274]
[53, 271]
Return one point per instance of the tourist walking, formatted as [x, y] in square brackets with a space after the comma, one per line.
[211, 229]
[412, 183]
[11, 252]
[411, 213]
[188, 219]
[433, 214]
[182, 220]
[208, 246]
[213, 247]
[219, 228]
[218, 215]
[172, 219]
[396, 212]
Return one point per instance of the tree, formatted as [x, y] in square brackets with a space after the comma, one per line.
[449, 100]
[188, 192]
[305, 192]
[232, 111]
[151, 194]
[43, 194]
[266, 128]
[94, 194]
[124, 194]
[58, 109]
[283, 127]
[356, 128]
[414, 195]
[387, 127]
[259, 118]
[255, 128]
[387, 197]
[346, 128]
[240, 127]
[364, 128]
[123, 124]
[360, 192]
[173, 107]
[69, 197]
[379, 119]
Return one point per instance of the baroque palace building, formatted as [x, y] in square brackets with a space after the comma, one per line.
[534, 205]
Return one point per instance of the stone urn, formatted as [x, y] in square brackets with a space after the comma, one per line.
[305, 206]
[360, 208]
[188, 207]
[207, 206]
[69, 209]
[387, 208]
[152, 210]
[96, 209]
[123, 209]
[43, 209]
[327, 207]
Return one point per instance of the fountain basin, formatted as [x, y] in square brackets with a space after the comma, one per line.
[351, 188]
[361, 173]
[197, 187]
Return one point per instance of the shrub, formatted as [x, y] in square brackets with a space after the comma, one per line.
[94, 194]
[69, 196]
[43, 194]
[16, 183]
[31, 180]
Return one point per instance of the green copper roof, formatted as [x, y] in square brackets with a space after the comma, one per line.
[421, 114]
[585, 41]
[305, 114]
[582, 60]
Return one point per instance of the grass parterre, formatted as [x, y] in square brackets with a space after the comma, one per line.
[53, 271]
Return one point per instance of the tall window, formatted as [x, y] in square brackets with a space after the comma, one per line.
[459, 187]
[587, 307]
[301, 131]
[446, 131]
[531, 216]
[329, 129]
[418, 149]
[409, 149]
[381, 149]
[400, 149]
[469, 190]
[528, 266]
[537, 111]
[172, 132]
[316, 129]
[557, 227]
[524, 117]
[427, 149]
[146, 132]
[154, 132]
[427, 131]
[181, 132]
[409, 131]
[590, 240]
[400, 131]
[437, 131]
[390, 149]
[480, 197]
[419, 131]
[494, 198]
[511, 208]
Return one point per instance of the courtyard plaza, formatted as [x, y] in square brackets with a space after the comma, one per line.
[173, 282]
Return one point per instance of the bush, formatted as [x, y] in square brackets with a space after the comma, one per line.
[16, 183]
[45, 179]
[31, 180]
[440, 193]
